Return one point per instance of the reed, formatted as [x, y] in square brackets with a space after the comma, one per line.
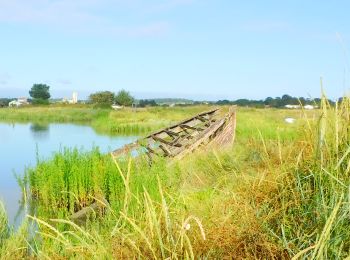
[73, 179]
[147, 223]
[4, 229]
[315, 195]
[13, 245]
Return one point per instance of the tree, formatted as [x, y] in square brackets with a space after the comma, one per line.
[102, 98]
[40, 92]
[269, 101]
[223, 102]
[147, 103]
[124, 98]
[4, 102]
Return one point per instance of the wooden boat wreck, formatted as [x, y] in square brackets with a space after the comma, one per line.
[207, 128]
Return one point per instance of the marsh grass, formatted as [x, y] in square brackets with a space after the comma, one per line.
[73, 179]
[147, 223]
[4, 228]
[281, 191]
[314, 198]
[13, 245]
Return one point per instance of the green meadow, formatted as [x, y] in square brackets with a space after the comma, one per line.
[281, 191]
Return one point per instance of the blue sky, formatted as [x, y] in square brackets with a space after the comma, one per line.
[200, 49]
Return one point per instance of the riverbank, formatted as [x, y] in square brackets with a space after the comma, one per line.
[126, 121]
[279, 191]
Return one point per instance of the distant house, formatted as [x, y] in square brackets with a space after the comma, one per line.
[19, 102]
[292, 106]
[309, 107]
[23, 100]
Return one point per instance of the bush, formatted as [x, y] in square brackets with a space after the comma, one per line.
[123, 98]
[102, 98]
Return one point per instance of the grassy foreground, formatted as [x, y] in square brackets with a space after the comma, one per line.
[281, 191]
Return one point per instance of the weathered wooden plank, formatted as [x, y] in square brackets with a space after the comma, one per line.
[164, 141]
[202, 118]
[125, 149]
[187, 135]
[205, 137]
[210, 112]
[165, 149]
[191, 127]
[227, 135]
[81, 216]
[171, 133]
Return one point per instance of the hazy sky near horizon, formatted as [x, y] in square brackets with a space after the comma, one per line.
[201, 49]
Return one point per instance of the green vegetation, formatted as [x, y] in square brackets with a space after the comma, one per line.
[4, 102]
[147, 103]
[123, 98]
[169, 101]
[281, 190]
[73, 179]
[3, 224]
[102, 99]
[40, 94]
[277, 102]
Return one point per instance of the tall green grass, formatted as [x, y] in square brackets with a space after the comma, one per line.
[311, 205]
[13, 245]
[73, 179]
[143, 220]
[4, 229]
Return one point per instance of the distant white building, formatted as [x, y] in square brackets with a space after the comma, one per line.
[21, 101]
[292, 106]
[74, 99]
[309, 107]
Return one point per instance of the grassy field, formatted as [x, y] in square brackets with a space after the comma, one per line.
[281, 191]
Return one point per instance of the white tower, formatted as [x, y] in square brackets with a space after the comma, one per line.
[75, 97]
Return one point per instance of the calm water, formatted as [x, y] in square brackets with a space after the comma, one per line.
[19, 144]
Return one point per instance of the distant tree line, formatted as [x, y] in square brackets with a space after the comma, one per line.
[4, 102]
[108, 98]
[277, 102]
[147, 103]
[40, 94]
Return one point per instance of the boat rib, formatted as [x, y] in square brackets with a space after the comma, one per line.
[206, 128]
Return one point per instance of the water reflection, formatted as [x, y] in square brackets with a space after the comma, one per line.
[40, 131]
